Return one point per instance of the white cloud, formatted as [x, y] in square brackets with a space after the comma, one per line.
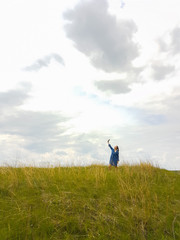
[44, 62]
[108, 42]
[114, 86]
[160, 71]
[170, 43]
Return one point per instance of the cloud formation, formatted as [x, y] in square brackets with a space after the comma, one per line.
[44, 133]
[161, 71]
[108, 42]
[175, 42]
[44, 62]
[113, 86]
[173, 45]
[166, 63]
[12, 98]
[40, 131]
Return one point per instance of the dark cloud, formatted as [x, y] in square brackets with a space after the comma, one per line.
[175, 40]
[44, 62]
[161, 71]
[113, 86]
[107, 41]
[40, 131]
[173, 46]
[14, 98]
[168, 49]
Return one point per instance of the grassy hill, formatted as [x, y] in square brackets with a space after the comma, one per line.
[131, 202]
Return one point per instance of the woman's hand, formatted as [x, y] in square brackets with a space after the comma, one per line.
[108, 141]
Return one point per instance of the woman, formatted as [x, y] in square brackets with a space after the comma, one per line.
[114, 159]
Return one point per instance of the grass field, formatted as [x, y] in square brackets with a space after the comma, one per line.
[131, 202]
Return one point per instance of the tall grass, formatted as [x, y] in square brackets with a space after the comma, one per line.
[131, 202]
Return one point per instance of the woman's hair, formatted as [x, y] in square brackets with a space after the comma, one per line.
[116, 147]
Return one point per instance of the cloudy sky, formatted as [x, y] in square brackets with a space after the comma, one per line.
[75, 73]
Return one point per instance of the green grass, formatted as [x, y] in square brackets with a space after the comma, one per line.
[131, 202]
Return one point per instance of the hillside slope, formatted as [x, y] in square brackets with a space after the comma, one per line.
[131, 202]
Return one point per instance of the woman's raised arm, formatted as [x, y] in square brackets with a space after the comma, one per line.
[109, 145]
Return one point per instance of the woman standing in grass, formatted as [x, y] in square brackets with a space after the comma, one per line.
[114, 159]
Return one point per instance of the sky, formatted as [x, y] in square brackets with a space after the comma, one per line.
[76, 73]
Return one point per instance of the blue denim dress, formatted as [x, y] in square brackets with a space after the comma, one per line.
[114, 156]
